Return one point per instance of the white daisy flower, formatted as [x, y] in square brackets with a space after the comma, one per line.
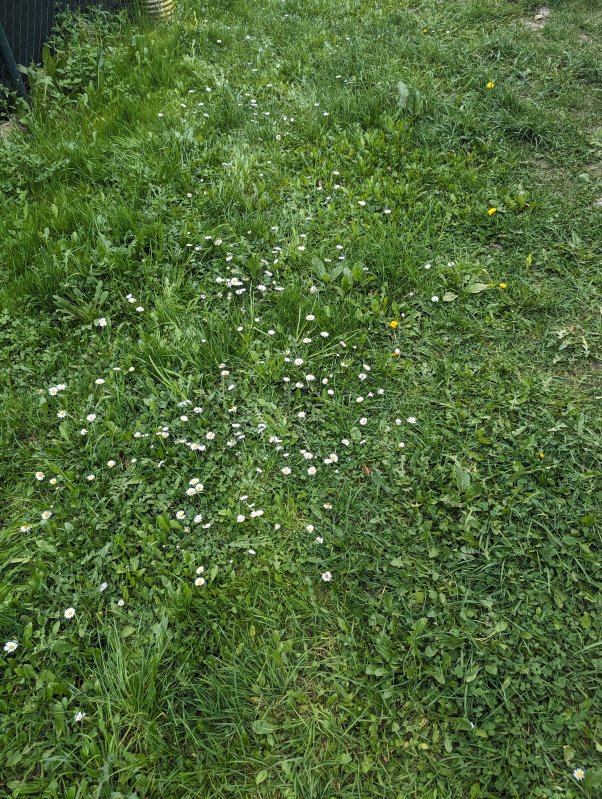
[180, 515]
[79, 716]
[10, 646]
[326, 576]
[39, 475]
[69, 613]
[200, 581]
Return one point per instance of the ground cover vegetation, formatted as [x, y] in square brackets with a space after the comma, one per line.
[300, 343]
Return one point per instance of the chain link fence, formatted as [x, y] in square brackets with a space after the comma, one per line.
[28, 24]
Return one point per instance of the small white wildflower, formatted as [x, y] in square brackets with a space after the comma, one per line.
[412, 420]
[579, 774]
[319, 540]
[298, 361]
[102, 322]
[91, 417]
[240, 518]
[39, 475]
[200, 581]
[103, 587]
[10, 646]
[285, 471]
[61, 414]
[91, 477]
[363, 421]
[180, 515]
[69, 613]
[46, 514]
[110, 464]
[326, 576]
[121, 602]
[79, 716]
[434, 298]
[312, 470]
[99, 381]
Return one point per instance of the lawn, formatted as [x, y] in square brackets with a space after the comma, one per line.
[300, 337]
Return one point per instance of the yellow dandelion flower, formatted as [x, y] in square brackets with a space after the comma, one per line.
[394, 324]
[503, 285]
[492, 211]
[490, 85]
[541, 455]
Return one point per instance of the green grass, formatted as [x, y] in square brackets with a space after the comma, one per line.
[457, 650]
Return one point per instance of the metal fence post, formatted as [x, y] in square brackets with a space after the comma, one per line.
[7, 56]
